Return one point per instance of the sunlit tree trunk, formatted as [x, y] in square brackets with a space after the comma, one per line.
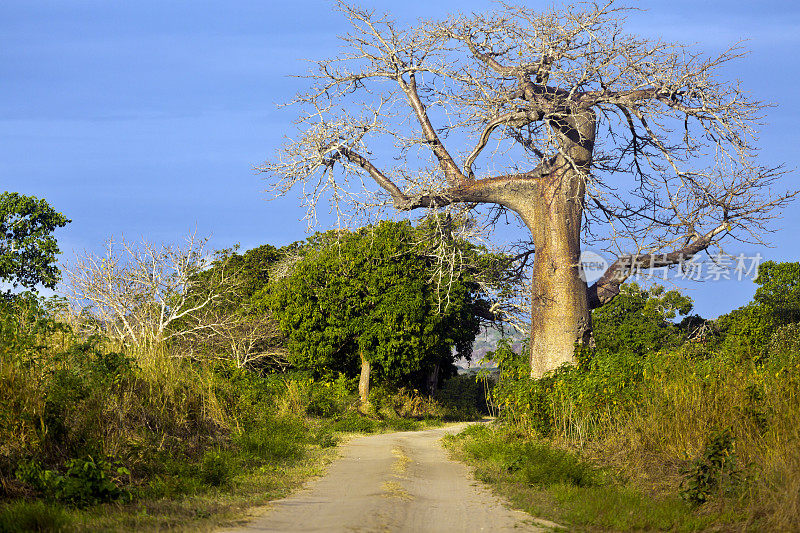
[363, 382]
[560, 313]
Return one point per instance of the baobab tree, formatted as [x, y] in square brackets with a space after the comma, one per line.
[591, 136]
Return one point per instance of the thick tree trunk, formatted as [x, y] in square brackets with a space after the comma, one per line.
[363, 382]
[560, 313]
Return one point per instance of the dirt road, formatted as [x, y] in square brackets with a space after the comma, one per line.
[393, 482]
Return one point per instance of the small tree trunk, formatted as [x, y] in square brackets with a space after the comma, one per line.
[363, 382]
[560, 314]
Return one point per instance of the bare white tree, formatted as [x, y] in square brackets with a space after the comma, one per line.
[228, 328]
[587, 134]
[144, 295]
[136, 291]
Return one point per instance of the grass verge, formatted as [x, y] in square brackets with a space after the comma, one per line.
[203, 510]
[557, 485]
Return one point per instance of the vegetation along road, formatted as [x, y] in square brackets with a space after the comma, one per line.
[394, 482]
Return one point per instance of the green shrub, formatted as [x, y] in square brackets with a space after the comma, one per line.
[402, 424]
[715, 471]
[352, 422]
[85, 481]
[217, 467]
[746, 331]
[573, 399]
[528, 461]
[639, 320]
[785, 341]
[331, 398]
[325, 439]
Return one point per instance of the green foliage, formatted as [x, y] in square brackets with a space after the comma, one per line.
[275, 440]
[747, 330]
[779, 290]
[28, 249]
[714, 471]
[639, 321]
[254, 268]
[352, 422]
[369, 292]
[85, 481]
[217, 467]
[27, 323]
[301, 395]
[325, 439]
[785, 339]
[512, 364]
[331, 398]
[599, 386]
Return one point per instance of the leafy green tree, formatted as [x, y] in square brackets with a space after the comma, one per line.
[639, 321]
[365, 298]
[252, 267]
[779, 290]
[28, 249]
[748, 329]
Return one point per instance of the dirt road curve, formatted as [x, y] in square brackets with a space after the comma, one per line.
[393, 482]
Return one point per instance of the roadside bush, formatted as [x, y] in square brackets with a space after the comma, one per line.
[217, 467]
[353, 423]
[714, 472]
[573, 400]
[85, 482]
[331, 398]
[325, 439]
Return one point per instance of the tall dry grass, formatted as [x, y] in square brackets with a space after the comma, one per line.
[683, 401]
[651, 420]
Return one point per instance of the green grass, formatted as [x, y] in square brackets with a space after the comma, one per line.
[559, 486]
[204, 509]
[352, 422]
[22, 516]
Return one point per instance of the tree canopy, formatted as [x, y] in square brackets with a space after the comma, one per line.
[639, 320]
[750, 328]
[369, 292]
[779, 289]
[28, 248]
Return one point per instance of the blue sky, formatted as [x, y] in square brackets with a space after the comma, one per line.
[145, 118]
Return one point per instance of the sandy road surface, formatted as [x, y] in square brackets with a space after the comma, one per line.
[393, 482]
